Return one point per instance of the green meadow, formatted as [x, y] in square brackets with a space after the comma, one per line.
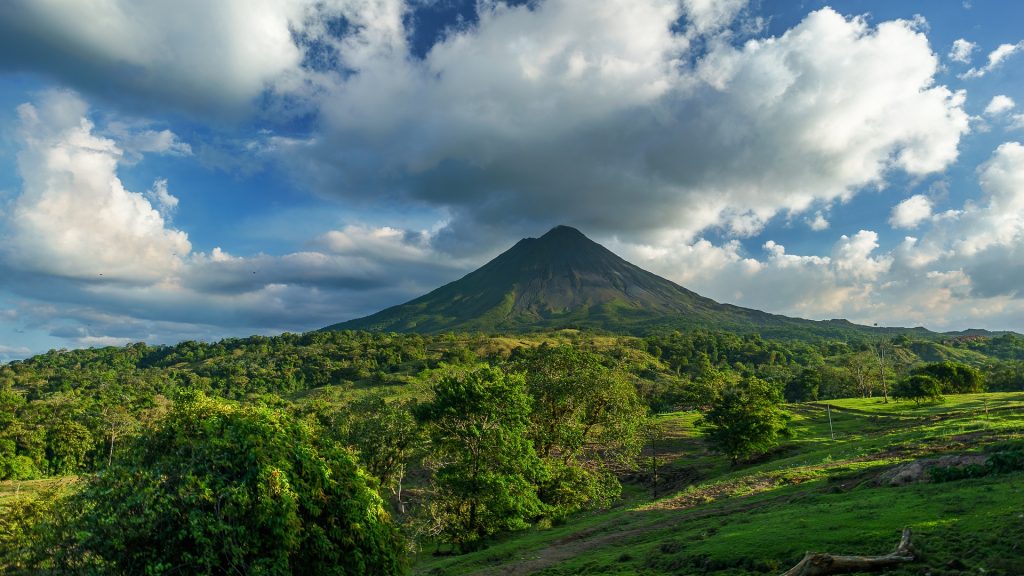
[813, 493]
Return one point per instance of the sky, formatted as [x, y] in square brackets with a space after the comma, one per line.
[200, 170]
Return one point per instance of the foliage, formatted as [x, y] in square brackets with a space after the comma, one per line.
[587, 422]
[385, 436]
[218, 488]
[919, 388]
[745, 419]
[805, 387]
[954, 377]
[484, 462]
[998, 462]
[30, 534]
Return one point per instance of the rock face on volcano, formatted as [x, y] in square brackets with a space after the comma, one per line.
[565, 280]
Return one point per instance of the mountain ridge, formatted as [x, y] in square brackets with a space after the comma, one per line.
[565, 280]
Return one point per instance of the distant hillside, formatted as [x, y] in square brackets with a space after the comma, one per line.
[565, 280]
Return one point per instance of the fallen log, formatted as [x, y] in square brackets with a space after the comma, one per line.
[822, 564]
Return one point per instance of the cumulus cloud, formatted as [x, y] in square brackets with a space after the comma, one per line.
[999, 104]
[101, 256]
[651, 119]
[193, 55]
[985, 239]
[163, 200]
[911, 212]
[706, 16]
[601, 115]
[961, 51]
[995, 59]
[819, 222]
[964, 269]
[74, 217]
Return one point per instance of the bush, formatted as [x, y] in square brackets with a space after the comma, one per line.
[919, 388]
[999, 462]
[217, 488]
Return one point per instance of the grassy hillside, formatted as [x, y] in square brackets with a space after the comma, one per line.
[814, 493]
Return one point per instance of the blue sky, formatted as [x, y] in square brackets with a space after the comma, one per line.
[201, 170]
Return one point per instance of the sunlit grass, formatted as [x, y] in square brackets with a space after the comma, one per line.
[816, 493]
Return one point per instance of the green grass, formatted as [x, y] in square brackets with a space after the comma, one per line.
[13, 489]
[814, 493]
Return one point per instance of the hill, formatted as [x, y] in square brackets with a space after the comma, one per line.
[565, 280]
[851, 478]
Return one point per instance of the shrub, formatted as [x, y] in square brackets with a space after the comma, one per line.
[217, 488]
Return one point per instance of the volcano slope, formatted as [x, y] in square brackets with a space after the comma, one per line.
[565, 280]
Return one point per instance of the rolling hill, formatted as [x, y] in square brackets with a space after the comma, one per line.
[565, 280]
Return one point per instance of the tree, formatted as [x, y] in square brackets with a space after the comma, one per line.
[484, 464]
[804, 387]
[861, 365]
[218, 488]
[386, 436]
[919, 388]
[954, 377]
[587, 421]
[745, 419]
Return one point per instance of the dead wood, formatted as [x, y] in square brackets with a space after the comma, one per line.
[821, 564]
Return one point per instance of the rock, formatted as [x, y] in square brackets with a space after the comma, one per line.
[917, 470]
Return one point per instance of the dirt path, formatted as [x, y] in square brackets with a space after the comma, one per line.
[599, 536]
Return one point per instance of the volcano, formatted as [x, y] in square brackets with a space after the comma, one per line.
[565, 280]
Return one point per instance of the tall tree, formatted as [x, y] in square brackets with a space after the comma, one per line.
[484, 464]
[386, 437]
[745, 419]
[587, 422]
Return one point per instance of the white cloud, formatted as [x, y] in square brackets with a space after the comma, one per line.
[911, 212]
[489, 124]
[77, 240]
[853, 259]
[11, 352]
[137, 139]
[961, 51]
[207, 57]
[819, 222]
[74, 217]
[999, 104]
[711, 15]
[163, 200]
[995, 58]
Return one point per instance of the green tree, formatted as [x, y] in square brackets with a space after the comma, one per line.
[954, 377]
[745, 419]
[484, 464]
[587, 422]
[919, 388]
[804, 387]
[218, 488]
[68, 444]
[386, 437]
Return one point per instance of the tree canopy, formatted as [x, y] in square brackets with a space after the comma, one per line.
[745, 419]
[220, 488]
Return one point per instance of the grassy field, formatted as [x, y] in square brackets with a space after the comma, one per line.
[12, 489]
[813, 493]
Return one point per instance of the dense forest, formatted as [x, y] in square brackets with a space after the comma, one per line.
[450, 438]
